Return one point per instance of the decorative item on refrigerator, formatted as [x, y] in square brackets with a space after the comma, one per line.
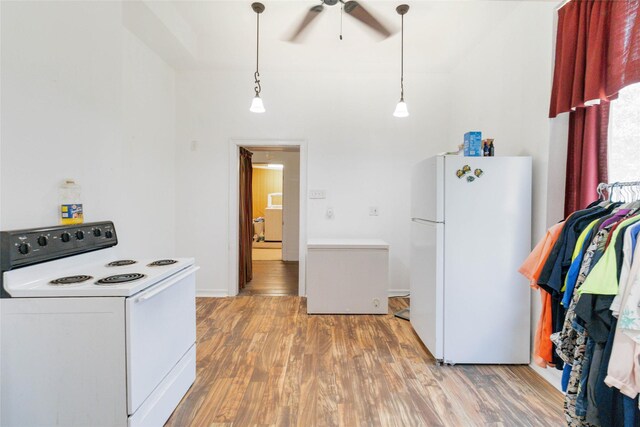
[473, 144]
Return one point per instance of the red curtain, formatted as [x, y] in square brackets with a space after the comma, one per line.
[597, 52]
[586, 156]
[245, 271]
[623, 59]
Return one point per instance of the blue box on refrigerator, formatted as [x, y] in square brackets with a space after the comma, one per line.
[473, 144]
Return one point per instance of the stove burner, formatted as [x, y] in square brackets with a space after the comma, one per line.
[162, 262]
[121, 262]
[120, 278]
[70, 280]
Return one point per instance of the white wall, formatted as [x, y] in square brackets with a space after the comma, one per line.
[291, 198]
[148, 150]
[502, 88]
[83, 98]
[358, 152]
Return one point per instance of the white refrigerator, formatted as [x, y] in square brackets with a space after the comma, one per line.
[470, 231]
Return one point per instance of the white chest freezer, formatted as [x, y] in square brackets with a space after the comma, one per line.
[347, 276]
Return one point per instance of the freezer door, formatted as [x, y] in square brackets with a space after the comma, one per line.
[486, 312]
[427, 190]
[427, 284]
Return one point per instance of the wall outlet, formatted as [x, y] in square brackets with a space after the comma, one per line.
[376, 303]
[194, 145]
[317, 194]
[373, 211]
[329, 212]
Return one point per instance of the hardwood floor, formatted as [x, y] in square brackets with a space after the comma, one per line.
[275, 278]
[267, 254]
[263, 361]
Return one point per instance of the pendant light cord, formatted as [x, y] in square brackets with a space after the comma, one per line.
[402, 61]
[256, 75]
[341, 13]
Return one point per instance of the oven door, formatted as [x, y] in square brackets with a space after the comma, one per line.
[161, 327]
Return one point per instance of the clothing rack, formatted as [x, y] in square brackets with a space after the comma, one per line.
[619, 187]
[590, 319]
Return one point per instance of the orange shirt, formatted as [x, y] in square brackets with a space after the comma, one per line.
[532, 266]
[531, 269]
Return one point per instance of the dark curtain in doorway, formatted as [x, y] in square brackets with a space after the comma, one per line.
[245, 273]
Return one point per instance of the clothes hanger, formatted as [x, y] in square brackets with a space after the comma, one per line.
[629, 197]
[634, 198]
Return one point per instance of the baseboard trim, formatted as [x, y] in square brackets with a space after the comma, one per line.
[398, 292]
[551, 375]
[211, 293]
[220, 293]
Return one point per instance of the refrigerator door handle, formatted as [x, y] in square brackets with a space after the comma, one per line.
[426, 221]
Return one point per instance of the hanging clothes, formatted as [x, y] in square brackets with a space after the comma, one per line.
[587, 268]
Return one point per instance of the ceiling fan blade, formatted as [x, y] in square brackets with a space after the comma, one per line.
[356, 10]
[308, 18]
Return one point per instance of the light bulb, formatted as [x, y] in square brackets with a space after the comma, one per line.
[256, 105]
[401, 109]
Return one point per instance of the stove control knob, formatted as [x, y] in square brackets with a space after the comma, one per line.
[80, 234]
[108, 234]
[65, 237]
[97, 232]
[42, 240]
[24, 248]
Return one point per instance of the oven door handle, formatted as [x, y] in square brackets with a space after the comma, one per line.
[173, 280]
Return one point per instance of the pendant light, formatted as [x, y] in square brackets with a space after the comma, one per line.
[256, 105]
[401, 108]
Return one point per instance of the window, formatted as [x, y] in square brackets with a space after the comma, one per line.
[624, 136]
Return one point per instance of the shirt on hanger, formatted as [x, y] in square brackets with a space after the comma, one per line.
[576, 260]
[603, 278]
[533, 265]
[559, 261]
[629, 321]
[531, 268]
[627, 255]
[634, 237]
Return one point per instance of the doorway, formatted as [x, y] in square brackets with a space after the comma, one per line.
[267, 197]
[277, 209]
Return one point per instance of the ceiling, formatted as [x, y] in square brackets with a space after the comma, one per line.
[437, 35]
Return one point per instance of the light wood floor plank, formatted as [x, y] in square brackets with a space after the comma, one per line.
[273, 278]
[262, 361]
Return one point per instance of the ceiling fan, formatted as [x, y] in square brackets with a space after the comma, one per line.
[351, 7]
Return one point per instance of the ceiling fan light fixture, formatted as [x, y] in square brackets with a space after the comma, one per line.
[401, 109]
[257, 106]
[351, 7]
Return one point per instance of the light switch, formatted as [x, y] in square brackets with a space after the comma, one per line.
[329, 212]
[317, 194]
[373, 211]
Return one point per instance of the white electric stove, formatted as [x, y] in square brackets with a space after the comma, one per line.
[90, 338]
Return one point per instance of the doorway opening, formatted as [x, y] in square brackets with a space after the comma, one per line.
[274, 221]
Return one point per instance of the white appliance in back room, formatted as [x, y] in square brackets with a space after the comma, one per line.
[470, 231]
[89, 338]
